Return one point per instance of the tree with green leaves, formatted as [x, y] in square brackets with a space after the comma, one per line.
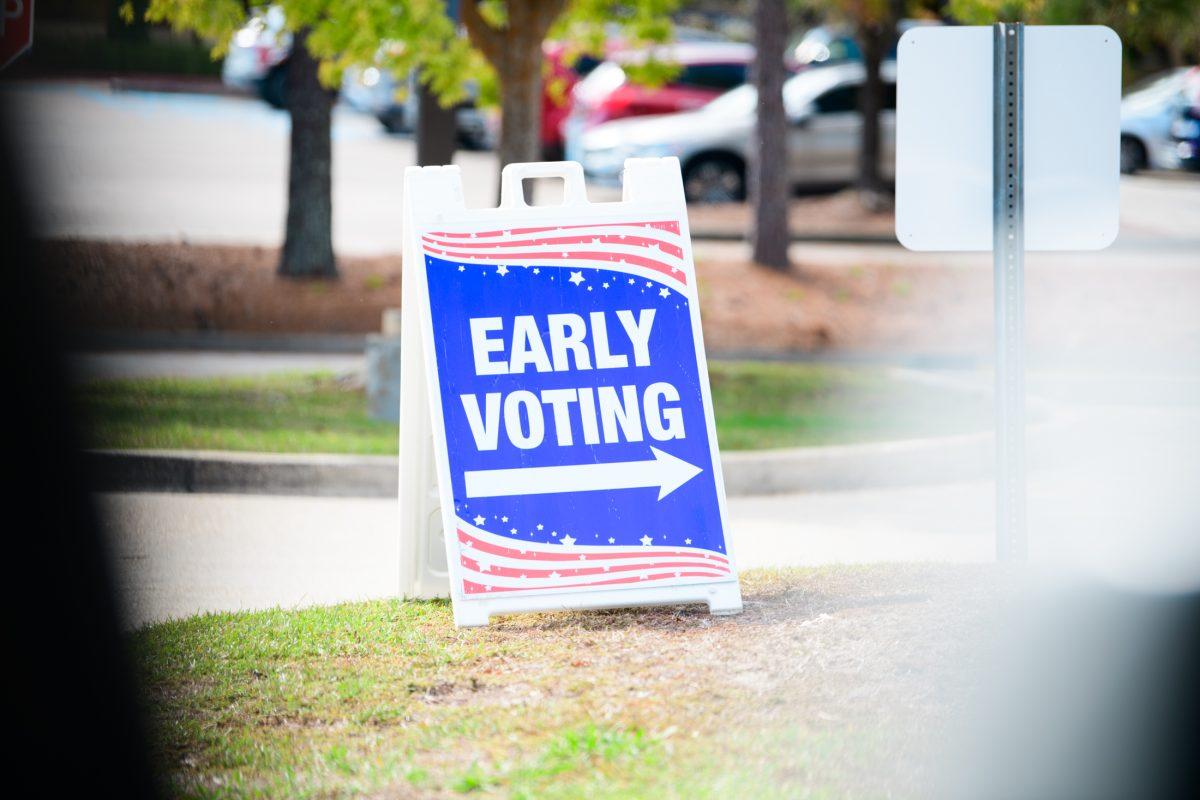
[501, 53]
[1160, 32]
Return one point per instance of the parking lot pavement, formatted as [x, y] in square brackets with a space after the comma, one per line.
[208, 169]
[165, 167]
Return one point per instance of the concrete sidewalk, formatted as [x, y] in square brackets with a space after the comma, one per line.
[181, 554]
[1115, 497]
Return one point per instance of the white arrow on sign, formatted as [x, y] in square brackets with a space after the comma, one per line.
[664, 471]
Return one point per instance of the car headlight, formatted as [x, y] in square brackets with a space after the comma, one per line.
[370, 76]
[1184, 128]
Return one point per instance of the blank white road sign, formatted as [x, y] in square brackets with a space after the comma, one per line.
[1072, 85]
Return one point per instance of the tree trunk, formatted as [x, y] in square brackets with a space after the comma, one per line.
[520, 73]
[873, 38]
[515, 52]
[768, 164]
[437, 130]
[308, 239]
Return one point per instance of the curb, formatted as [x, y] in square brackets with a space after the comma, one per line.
[752, 472]
[219, 341]
[220, 472]
[718, 235]
[174, 84]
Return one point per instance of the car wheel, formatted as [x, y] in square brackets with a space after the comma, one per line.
[392, 119]
[1133, 155]
[273, 87]
[714, 179]
[471, 139]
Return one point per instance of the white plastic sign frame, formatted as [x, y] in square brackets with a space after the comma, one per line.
[1072, 99]
[562, 393]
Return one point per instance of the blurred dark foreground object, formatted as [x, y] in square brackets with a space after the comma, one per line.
[1093, 692]
[71, 703]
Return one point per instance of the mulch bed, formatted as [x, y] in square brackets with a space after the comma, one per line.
[820, 215]
[117, 286]
[177, 287]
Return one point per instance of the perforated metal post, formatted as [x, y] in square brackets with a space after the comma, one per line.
[1008, 250]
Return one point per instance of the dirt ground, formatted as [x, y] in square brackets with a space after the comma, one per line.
[873, 308]
[831, 215]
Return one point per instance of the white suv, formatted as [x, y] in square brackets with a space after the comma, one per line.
[713, 143]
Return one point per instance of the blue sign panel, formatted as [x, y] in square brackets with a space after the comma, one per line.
[573, 404]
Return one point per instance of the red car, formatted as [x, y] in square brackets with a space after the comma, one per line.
[559, 81]
[707, 69]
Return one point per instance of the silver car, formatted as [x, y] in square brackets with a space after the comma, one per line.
[713, 143]
[1151, 114]
[376, 91]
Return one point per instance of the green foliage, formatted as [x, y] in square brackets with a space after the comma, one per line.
[416, 34]
[215, 20]
[643, 23]
[856, 13]
[1172, 25]
[758, 405]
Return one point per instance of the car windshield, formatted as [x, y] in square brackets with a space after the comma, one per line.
[820, 45]
[797, 93]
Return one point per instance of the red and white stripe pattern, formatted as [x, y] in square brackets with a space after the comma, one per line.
[646, 249]
[492, 564]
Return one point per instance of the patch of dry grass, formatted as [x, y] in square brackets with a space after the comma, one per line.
[833, 683]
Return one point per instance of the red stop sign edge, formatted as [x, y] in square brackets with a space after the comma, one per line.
[28, 41]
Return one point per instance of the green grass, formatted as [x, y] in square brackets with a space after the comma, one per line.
[768, 404]
[758, 405]
[830, 679]
[311, 413]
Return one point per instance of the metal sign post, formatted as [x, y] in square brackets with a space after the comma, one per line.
[1008, 255]
[1036, 169]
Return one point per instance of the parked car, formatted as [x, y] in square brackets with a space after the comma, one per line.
[1149, 112]
[256, 47]
[560, 80]
[1186, 133]
[828, 45]
[707, 69]
[713, 143]
[376, 91]
[258, 59]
